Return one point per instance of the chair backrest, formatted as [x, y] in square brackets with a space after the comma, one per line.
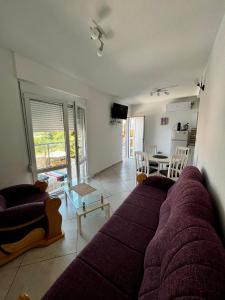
[183, 151]
[175, 166]
[152, 149]
[142, 164]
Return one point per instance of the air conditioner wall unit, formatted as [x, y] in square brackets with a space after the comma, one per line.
[178, 106]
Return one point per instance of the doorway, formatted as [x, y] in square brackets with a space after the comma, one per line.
[56, 136]
[124, 139]
[135, 135]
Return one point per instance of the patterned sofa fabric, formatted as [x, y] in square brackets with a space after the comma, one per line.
[185, 259]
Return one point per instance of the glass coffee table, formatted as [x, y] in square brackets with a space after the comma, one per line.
[87, 203]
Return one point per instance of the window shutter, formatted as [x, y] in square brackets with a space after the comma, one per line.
[46, 117]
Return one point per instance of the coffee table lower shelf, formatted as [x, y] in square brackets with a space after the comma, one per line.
[90, 208]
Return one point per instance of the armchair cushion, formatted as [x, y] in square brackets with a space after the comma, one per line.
[2, 203]
[23, 194]
[19, 190]
[21, 214]
[33, 198]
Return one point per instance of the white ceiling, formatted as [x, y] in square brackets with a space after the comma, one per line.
[155, 43]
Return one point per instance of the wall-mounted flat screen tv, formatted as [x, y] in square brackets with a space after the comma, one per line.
[119, 111]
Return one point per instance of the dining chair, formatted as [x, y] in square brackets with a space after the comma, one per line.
[183, 151]
[175, 167]
[142, 163]
[152, 150]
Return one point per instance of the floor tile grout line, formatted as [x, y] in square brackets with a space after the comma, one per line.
[47, 259]
[10, 286]
[21, 266]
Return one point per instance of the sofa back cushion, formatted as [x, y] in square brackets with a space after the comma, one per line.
[2, 203]
[185, 259]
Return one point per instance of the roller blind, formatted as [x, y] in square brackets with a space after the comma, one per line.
[46, 117]
[71, 118]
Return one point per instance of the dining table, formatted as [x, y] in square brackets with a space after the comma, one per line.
[160, 159]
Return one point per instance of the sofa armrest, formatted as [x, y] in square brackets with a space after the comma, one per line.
[20, 215]
[159, 182]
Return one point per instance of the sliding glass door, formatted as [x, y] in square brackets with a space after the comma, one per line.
[56, 141]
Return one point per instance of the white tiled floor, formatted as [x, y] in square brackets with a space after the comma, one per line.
[35, 271]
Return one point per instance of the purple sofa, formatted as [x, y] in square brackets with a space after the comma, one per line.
[160, 244]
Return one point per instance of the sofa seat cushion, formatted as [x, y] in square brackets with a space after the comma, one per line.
[148, 204]
[142, 206]
[92, 285]
[149, 192]
[129, 233]
[116, 262]
[139, 215]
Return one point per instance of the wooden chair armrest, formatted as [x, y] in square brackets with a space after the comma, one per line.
[23, 297]
[140, 178]
[41, 185]
[54, 217]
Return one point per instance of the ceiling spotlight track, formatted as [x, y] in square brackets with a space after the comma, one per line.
[161, 91]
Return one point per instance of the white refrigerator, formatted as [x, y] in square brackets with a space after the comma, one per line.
[178, 139]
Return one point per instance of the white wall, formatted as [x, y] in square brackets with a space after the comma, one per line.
[13, 153]
[160, 135]
[104, 140]
[210, 148]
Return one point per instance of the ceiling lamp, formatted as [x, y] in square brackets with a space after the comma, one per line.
[161, 91]
[100, 49]
[94, 33]
[97, 35]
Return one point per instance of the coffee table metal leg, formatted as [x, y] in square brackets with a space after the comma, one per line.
[79, 224]
[66, 198]
[107, 211]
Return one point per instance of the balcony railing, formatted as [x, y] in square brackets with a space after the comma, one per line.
[50, 155]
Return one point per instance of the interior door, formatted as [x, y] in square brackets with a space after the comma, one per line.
[135, 135]
[139, 133]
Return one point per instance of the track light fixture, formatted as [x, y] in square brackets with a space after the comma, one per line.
[100, 50]
[162, 91]
[97, 35]
[201, 85]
